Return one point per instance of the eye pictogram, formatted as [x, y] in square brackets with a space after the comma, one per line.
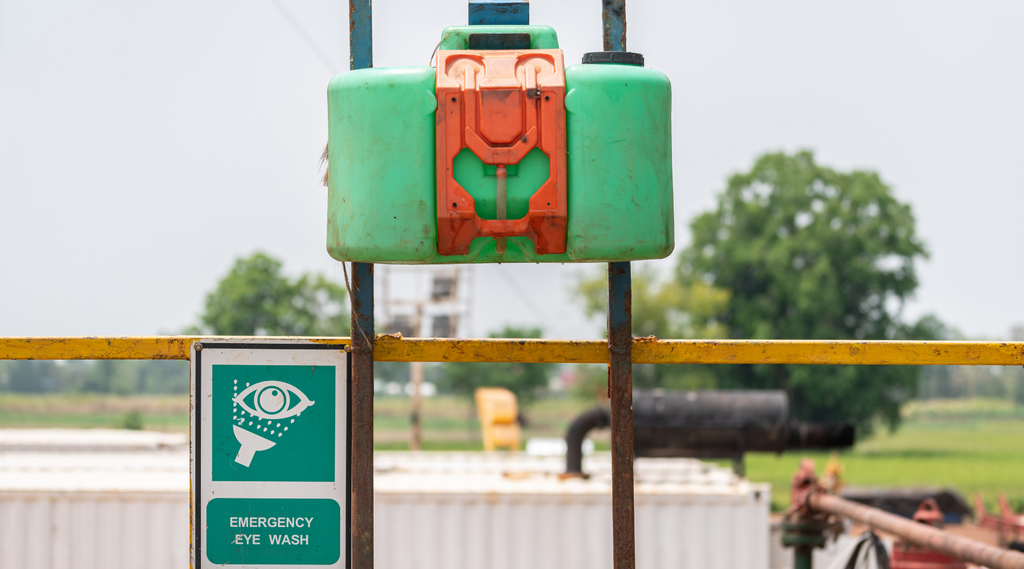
[272, 400]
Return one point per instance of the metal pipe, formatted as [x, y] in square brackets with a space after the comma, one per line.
[361, 399]
[416, 379]
[620, 353]
[613, 16]
[709, 424]
[803, 557]
[360, 34]
[620, 392]
[919, 534]
[596, 418]
[645, 350]
[360, 45]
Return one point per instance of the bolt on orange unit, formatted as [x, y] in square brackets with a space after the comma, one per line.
[501, 105]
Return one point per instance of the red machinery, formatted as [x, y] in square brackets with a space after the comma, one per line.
[1008, 524]
[909, 556]
[923, 544]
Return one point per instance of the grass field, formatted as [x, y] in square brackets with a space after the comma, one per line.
[972, 455]
[970, 445]
[973, 446]
[159, 412]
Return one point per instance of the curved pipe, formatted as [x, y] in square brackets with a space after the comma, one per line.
[596, 418]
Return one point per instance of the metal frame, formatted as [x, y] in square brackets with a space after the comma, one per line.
[644, 350]
[622, 351]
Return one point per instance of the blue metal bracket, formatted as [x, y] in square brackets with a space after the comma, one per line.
[499, 12]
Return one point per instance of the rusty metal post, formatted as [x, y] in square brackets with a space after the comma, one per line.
[360, 45]
[613, 16]
[620, 392]
[361, 399]
[620, 346]
[360, 34]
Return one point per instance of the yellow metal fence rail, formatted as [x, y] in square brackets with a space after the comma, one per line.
[645, 350]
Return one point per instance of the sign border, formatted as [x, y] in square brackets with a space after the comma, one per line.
[195, 428]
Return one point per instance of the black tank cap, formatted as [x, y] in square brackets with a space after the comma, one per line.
[619, 57]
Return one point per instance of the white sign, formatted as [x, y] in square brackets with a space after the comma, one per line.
[270, 440]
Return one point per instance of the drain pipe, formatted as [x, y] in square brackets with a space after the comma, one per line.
[596, 418]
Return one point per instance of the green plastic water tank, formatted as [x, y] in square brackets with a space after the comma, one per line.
[382, 168]
[381, 198]
[619, 140]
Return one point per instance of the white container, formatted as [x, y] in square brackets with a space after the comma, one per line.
[474, 510]
[93, 499]
[93, 530]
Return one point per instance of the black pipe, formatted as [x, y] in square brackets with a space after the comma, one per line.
[596, 418]
[733, 408]
[709, 424]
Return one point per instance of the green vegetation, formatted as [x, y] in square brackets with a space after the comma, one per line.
[793, 250]
[90, 411]
[113, 377]
[256, 298]
[972, 446]
[133, 421]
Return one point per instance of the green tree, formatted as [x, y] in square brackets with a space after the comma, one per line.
[664, 309]
[793, 250]
[523, 379]
[256, 298]
[812, 253]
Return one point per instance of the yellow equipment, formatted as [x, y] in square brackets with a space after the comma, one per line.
[498, 410]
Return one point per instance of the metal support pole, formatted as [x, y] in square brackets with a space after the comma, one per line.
[361, 396]
[360, 45]
[613, 16]
[803, 536]
[360, 34]
[416, 420]
[620, 391]
[620, 346]
[803, 557]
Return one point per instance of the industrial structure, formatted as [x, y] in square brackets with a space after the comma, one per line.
[549, 208]
[437, 312]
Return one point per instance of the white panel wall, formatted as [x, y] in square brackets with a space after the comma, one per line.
[517, 531]
[93, 531]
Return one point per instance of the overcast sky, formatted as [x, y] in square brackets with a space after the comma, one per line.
[145, 145]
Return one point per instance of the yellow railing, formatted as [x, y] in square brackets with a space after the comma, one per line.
[645, 350]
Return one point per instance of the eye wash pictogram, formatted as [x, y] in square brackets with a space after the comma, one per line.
[272, 403]
[270, 465]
